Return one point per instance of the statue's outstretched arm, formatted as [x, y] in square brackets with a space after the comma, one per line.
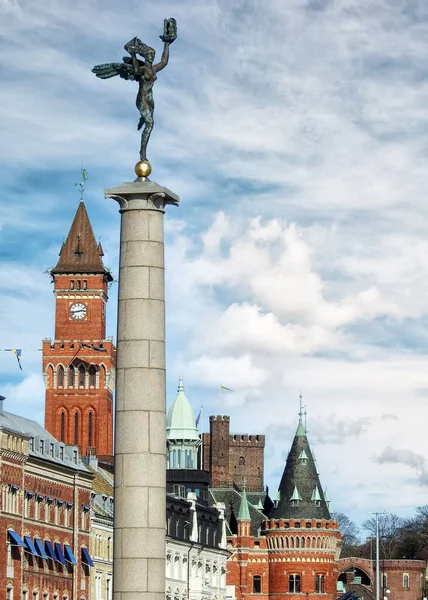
[164, 60]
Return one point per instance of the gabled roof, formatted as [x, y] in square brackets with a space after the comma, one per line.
[80, 252]
[300, 475]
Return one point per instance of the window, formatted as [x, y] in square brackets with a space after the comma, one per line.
[9, 592]
[92, 376]
[60, 376]
[82, 373]
[294, 503]
[24, 594]
[52, 449]
[406, 581]
[308, 525]
[62, 427]
[42, 446]
[294, 584]
[90, 429]
[384, 580]
[71, 284]
[76, 428]
[85, 284]
[319, 584]
[257, 584]
[78, 284]
[71, 376]
[241, 461]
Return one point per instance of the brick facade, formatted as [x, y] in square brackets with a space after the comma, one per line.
[231, 458]
[44, 500]
[79, 365]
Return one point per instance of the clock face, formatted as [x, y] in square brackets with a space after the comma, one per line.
[78, 311]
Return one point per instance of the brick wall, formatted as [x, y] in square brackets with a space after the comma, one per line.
[231, 458]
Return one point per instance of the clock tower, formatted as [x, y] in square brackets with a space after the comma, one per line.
[79, 364]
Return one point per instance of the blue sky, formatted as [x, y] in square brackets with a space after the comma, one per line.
[296, 134]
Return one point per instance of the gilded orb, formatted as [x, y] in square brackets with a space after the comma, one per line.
[143, 168]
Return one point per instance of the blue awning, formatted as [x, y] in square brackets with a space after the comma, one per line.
[60, 502]
[30, 545]
[14, 488]
[69, 555]
[59, 553]
[39, 547]
[69, 504]
[86, 557]
[40, 496]
[16, 539]
[50, 551]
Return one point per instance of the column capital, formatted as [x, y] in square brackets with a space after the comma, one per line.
[142, 195]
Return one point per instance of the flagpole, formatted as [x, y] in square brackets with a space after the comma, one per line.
[202, 441]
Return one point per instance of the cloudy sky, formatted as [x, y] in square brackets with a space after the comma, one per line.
[296, 134]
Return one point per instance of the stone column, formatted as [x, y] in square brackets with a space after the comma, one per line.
[140, 465]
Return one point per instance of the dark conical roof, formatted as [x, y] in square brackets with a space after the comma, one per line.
[80, 252]
[300, 492]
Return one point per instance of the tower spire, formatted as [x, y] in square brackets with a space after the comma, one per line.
[244, 511]
[81, 184]
[301, 429]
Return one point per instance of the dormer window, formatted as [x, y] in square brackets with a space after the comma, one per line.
[303, 458]
[316, 498]
[294, 500]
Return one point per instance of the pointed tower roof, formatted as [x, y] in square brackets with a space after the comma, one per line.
[244, 511]
[300, 482]
[180, 420]
[80, 252]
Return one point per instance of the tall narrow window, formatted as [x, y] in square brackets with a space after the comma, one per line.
[241, 461]
[71, 376]
[82, 373]
[257, 584]
[294, 584]
[319, 584]
[62, 437]
[76, 428]
[90, 429]
[406, 583]
[92, 376]
[60, 376]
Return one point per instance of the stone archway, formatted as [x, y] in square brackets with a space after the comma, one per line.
[362, 564]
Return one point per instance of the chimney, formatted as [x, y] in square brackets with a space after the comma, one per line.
[1, 403]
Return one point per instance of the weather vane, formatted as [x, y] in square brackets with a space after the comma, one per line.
[144, 72]
[81, 184]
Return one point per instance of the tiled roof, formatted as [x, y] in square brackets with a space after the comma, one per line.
[80, 252]
[301, 475]
[232, 500]
[101, 485]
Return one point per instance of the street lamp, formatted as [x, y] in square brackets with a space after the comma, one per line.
[387, 591]
[377, 553]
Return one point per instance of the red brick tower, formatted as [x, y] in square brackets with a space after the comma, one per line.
[231, 458]
[79, 365]
[302, 538]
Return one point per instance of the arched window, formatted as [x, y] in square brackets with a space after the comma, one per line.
[406, 582]
[71, 376]
[82, 374]
[241, 461]
[60, 376]
[92, 376]
[90, 429]
[76, 428]
[62, 427]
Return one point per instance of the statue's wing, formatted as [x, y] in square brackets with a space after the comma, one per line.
[126, 71]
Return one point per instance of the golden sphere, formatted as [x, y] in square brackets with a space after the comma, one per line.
[143, 168]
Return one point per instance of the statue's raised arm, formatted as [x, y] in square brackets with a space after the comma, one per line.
[144, 72]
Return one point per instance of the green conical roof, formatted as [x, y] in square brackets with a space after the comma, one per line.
[244, 511]
[180, 420]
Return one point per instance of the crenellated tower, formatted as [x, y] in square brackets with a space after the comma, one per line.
[79, 364]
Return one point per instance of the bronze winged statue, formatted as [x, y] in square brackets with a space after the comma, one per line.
[144, 72]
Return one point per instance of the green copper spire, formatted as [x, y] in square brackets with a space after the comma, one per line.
[301, 430]
[244, 511]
